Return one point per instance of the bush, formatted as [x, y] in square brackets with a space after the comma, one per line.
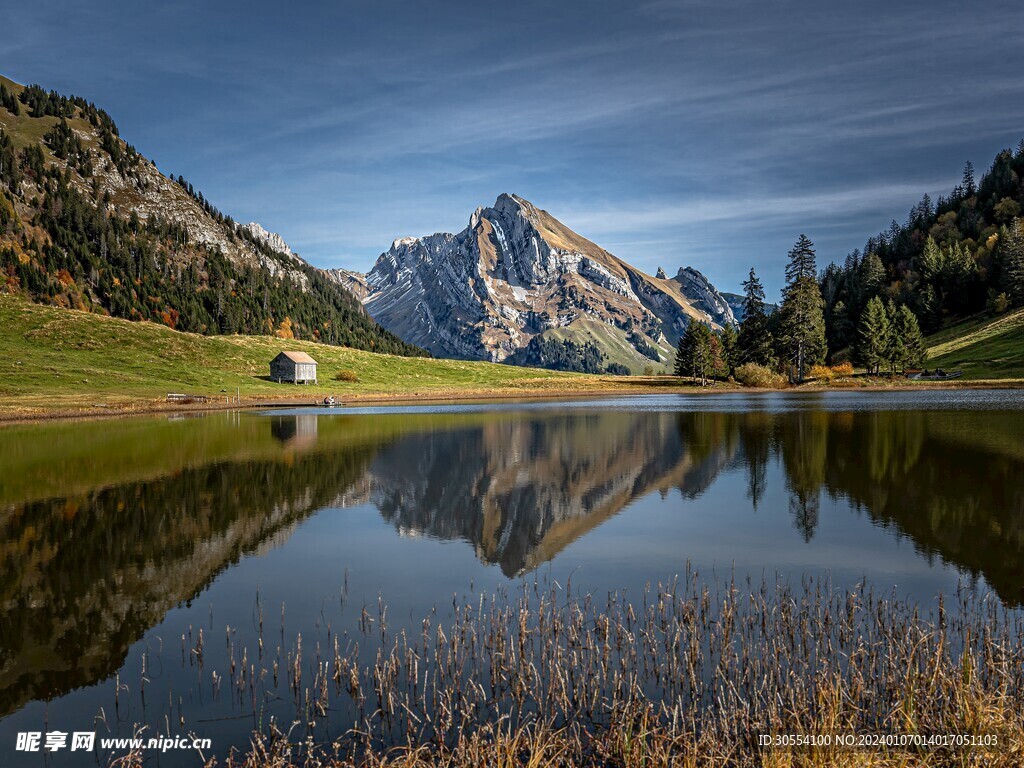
[346, 375]
[843, 370]
[826, 374]
[997, 303]
[822, 373]
[754, 375]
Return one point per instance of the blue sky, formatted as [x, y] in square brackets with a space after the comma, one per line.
[672, 133]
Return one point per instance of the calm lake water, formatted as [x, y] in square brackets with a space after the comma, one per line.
[121, 540]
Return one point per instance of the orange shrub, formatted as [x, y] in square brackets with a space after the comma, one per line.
[822, 373]
[843, 370]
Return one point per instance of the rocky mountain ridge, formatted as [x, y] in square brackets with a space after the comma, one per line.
[516, 274]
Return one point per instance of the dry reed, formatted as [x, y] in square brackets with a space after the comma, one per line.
[686, 674]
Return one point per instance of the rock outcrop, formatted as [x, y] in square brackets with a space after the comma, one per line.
[273, 240]
[699, 290]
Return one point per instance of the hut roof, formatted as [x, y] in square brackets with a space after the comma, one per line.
[299, 357]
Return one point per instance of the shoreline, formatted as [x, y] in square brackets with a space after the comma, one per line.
[31, 414]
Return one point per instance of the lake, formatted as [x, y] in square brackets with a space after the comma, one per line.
[280, 534]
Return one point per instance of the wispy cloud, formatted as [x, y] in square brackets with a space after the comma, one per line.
[670, 131]
[748, 211]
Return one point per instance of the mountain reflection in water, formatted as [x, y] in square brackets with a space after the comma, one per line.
[521, 490]
[106, 527]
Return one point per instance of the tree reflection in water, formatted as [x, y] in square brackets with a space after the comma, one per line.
[114, 526]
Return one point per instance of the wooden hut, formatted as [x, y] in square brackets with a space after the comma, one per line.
[296, 367]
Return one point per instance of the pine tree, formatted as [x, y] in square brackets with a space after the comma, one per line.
[801, 261]
[839, 327]
[872, 275]
[873, 336]
[907, 338]
[930, 262]
[802, 322]
[958, 278]
[970, 188]
[755, 338]
[1011, 258]
[753, 295]
[894, 352]
[684, 353]
[729, 341]
[695, 356]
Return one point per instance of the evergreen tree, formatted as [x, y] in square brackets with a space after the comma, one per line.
[753, 295]
[755, 341]
[8, 101]
[696, 356]
[970, 188]
[729, 342]
[872, 275]
[801, 261]
[930, 263]
[1011, 261]
[873, 336]
[802, 321]
[893, 344]
[906, 339]
[958, 279]
[839, 327]
[684, 353]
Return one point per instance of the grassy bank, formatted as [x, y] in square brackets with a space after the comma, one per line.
[59, 360]
[687, 674]
[983, 348]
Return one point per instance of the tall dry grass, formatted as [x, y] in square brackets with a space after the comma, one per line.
[685, 674]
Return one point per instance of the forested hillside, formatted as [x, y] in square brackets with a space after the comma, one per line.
[953, 258]
[87, 222]
[959, 257]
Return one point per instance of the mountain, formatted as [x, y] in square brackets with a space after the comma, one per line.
[735, 302]
[89, 223]
[353, 282]
[516, 284]
[270, 239]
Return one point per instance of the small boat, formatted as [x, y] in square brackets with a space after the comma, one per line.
[937, 375]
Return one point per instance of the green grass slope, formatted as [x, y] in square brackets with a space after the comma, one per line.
[59, 358]
[988, 348]
[613, 344]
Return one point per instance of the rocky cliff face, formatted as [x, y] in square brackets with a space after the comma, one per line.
[353, 282]
[703, 294]
[271, 239]
[514, 273]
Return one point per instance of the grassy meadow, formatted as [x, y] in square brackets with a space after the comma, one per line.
[988, 348]
[58, 361]
[55, 359]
